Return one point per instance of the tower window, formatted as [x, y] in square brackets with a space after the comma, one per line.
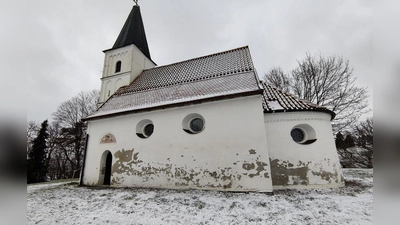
[118, 67]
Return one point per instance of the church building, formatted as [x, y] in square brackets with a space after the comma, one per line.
[203, 123]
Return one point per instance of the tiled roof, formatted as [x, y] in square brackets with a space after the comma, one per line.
[275, 100]
[219, 75]
[212, 66]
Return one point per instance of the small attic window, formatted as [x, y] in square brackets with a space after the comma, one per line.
[118, 67]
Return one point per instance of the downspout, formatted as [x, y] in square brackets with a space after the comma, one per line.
[84, 160]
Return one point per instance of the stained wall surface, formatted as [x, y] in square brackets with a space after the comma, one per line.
[295, 165]
[230, 154]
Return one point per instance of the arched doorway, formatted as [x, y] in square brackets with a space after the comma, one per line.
[107, 174]
[105, 168]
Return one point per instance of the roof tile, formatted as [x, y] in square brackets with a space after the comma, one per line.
[217, 65]
[288, 102]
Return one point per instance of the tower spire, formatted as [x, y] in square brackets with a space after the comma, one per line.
[133, 32]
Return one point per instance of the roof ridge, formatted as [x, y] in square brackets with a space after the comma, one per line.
[201, 57]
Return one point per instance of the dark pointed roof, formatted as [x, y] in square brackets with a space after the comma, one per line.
[133, 33]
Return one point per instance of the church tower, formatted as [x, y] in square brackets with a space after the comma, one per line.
[128, 57]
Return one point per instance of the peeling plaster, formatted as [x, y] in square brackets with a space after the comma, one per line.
[252, 152]
[248, 166]
[328, 176]
[260, 168]
[117, 180]
[125, 159]
[128, 163]
[282, 175]
[255, 168]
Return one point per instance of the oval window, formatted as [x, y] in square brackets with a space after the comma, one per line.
[148, 130]
[144, 128]
[297, 135]
[303, 134]
[193, 123]
[196, 125]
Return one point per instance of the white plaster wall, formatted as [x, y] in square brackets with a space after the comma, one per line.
[303, 165]
[139, 63]
[229, 154]
[119, 83]
[112, 84]
[123, 54]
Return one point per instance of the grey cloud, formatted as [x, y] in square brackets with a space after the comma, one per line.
[65, 57]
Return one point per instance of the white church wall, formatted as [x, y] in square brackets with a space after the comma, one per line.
[229, 154]
[302, 165]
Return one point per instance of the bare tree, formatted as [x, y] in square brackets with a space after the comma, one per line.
[356, 150]
[70, 132]
[31, 132]
[72, 111]
[279, 79]
[364, 132]
[328, 82]
[54, 152]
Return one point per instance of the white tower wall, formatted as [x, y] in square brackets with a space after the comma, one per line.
[133, 62]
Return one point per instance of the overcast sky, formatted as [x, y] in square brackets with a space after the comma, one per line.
[66, 38]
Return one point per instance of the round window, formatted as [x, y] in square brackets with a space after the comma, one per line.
[297, 135]
[148, 130]
[196, 125]
[303, 134]
[144, 128]
[193, 123]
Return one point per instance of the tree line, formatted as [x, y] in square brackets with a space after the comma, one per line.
[355, 147]
[55, 150]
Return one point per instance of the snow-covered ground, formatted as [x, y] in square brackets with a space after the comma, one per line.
[67, 203]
